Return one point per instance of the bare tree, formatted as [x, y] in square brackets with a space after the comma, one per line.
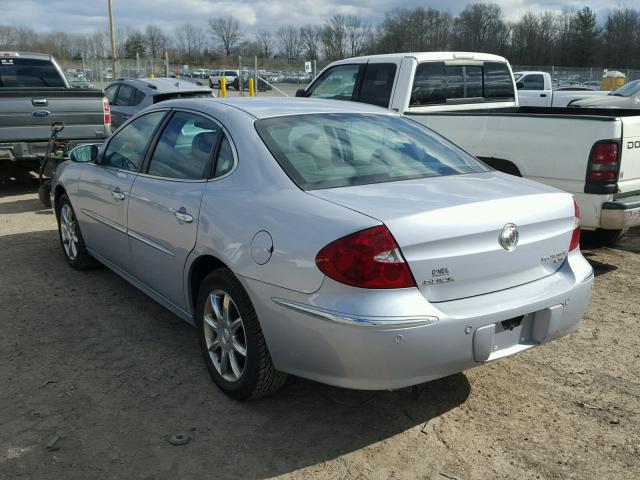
[265, 40]
[289, 41]
[334, 37]
[622, 27]
[480, 27]
[226, 30]
[155, 41]
[310, 37]
[357, 34]
[190, 40]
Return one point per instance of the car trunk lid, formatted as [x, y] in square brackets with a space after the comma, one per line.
[448, 229]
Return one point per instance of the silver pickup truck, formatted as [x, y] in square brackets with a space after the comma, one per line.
[35, 94]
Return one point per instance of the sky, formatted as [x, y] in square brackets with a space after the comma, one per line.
[85, 16]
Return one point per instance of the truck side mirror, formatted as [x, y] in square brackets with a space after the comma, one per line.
[520, 85]
[301, 92]
[84, 153]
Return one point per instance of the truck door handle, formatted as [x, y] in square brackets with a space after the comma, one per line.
[181, 214]
[543, 95]
[117, 194]
[39, 102]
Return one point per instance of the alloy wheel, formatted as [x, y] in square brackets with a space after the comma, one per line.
[69, 231]
[225, 336]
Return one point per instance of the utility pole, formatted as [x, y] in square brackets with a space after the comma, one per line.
[113, 41]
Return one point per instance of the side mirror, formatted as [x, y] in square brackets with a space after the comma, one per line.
[301, 92]
[84, 153]
[520, 85]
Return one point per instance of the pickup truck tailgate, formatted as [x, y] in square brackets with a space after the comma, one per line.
[27, 114]
[629, 178]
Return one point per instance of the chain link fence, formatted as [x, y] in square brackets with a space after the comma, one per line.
[282, 76]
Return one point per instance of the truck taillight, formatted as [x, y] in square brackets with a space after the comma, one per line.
[604, 162]
[370, 258]
[106, 110]
[575, 236]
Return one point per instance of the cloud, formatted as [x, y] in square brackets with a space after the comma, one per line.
[86, 16]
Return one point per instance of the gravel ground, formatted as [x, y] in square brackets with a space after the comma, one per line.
[95, 376]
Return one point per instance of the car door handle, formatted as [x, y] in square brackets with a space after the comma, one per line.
[181, 214]
[543, 95]
[117, 194]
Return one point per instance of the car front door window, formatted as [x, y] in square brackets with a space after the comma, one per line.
[126, 149]
[338, 83]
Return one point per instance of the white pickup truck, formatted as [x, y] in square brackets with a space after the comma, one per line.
[471, 99]
[535, 89]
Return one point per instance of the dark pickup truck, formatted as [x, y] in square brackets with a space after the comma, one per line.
[35, 94]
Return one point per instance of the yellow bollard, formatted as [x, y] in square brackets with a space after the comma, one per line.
[252, 90]
[223, 87]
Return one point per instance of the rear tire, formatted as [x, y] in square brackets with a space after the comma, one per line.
[233, 345]
[44, 192]
[73, 247]
[601, 237]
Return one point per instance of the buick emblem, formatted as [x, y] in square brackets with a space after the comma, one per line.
[509, 237]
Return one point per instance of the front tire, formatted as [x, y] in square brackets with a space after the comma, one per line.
[73, 247]
[232, 341]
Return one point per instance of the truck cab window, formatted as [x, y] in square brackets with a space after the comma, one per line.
[377, 84]
[337, 83]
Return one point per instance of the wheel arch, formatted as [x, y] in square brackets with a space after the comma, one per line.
[199, 269]
[57, 194]
[502, 165]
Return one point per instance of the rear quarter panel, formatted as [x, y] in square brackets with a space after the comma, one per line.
[630, 155]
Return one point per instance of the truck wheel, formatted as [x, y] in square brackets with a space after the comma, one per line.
[601, 237]
[43, 193]
[231, 339]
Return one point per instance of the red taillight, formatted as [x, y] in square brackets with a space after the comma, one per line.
[106, 110]
[370, 258]
[575, 236]
[604, 162]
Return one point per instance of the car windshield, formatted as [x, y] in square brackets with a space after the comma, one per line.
[628, 90]
[342, 149]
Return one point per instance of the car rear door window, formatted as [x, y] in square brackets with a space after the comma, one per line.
[377, 84]
[127, 147]
[124, 95]
[338, 83]
[185, 148]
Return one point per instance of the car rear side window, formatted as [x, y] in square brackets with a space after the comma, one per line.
[124, 95]
[29, 73]
[127, 147]
[110, 93]
[437, 83]
[138, 96]
[185, 148]
[377, 84]
[336, 150]
[225, 160]
[337, 83]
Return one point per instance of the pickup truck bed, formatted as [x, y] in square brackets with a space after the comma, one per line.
[517, 141]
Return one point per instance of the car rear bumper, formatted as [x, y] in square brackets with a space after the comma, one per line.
[621, 213]
[393, 339]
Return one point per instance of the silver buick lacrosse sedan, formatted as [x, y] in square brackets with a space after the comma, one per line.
[330, 240]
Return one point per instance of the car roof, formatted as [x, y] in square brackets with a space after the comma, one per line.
[157, 86]
[278, 107]
[426, 57]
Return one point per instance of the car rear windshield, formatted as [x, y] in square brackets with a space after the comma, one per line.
[173, 95]
[343, 149]
[29, 73]
[437, 83]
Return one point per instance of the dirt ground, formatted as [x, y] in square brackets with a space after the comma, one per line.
[95, 376]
